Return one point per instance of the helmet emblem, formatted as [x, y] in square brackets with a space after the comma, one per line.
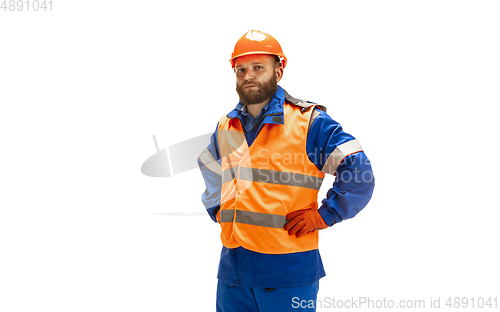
[255, 35]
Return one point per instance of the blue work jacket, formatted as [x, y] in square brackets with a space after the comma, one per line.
[349, 194]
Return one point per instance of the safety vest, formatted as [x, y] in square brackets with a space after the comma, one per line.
[264, 182]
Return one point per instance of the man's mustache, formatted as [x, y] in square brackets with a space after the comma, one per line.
[250, 83]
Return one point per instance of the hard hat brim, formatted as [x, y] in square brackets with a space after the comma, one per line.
[281, 55]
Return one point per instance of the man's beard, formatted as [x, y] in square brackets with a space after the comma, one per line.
[264, 91]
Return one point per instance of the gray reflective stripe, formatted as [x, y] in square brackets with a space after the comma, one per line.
[210, 162]
[314, 114]
[339, 154]
[229, 174]
[253, 218]
[280, 177]
[261, 219]
[226, 216]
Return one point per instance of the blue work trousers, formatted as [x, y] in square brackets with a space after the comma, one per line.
[260, 299]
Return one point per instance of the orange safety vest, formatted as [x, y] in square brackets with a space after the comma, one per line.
[262, 183]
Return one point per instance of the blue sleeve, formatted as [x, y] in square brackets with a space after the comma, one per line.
[209, 163]
[354, 181]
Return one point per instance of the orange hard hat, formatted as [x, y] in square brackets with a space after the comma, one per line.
[257, 42]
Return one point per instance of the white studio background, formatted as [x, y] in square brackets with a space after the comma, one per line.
[84, 88]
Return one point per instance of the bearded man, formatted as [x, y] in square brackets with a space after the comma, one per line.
[263, 168]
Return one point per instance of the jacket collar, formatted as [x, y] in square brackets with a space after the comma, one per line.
[274, 113]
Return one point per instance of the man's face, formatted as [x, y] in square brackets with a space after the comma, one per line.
[257, 78]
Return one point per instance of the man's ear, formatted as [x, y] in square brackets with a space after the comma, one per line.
[279, 73]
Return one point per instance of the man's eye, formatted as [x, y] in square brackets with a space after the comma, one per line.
[258, 67]
[241, 70]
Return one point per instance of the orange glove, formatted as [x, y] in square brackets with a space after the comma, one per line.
[304, 221]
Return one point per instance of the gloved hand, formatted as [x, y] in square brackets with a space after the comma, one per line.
[304, 221]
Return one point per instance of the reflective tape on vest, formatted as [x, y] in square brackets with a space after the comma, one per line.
[253, 218]
[272, 176]
[341, 152]
[229, 174]
[209, 161]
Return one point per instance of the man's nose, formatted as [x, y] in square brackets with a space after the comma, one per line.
[249, 75]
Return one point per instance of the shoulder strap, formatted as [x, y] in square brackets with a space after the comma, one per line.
[304, 105]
